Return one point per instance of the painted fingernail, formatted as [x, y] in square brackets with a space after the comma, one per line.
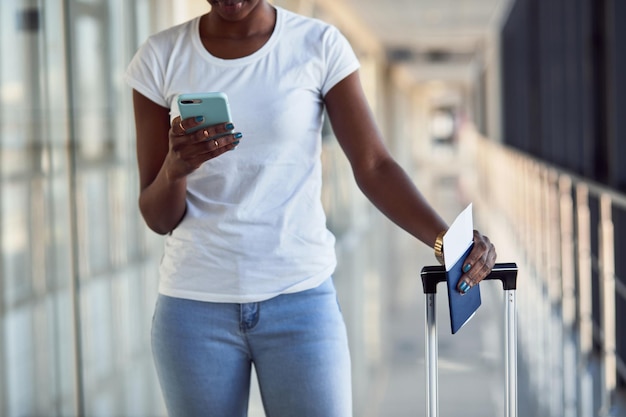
[200, 119]
[238, 135]
[229, 126]
[467, 267]
[236, 143]
[464, 287]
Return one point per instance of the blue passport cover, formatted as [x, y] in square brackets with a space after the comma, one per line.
[462, 307]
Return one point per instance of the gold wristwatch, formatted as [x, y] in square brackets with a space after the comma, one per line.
[439, 247]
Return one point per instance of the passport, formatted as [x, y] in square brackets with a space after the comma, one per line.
[457, 244]
[462, 307]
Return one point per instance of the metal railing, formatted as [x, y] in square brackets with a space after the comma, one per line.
[568, 230]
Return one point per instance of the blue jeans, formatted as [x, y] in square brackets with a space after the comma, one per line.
[297, 343]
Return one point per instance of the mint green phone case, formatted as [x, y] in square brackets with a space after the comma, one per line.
[213, 106]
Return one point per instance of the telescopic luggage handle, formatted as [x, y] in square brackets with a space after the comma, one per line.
[507, 274]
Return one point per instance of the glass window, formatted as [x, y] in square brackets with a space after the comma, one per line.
[58, 235]
[68, 211]
[15, 243]
[93, 124]
[19, 98]
[93, 225]
[61, 351]
[19, 365]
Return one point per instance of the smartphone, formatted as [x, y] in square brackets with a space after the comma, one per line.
[213, 106]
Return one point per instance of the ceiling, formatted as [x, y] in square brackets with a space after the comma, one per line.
[440, 36]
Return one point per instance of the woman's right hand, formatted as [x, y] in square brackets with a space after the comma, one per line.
[187, 151]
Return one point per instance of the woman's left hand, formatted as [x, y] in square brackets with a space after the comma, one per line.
[478, 263]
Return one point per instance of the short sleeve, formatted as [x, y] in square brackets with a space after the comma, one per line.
[146, 75]
[340, 59]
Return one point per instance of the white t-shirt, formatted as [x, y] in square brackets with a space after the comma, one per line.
[255, 227]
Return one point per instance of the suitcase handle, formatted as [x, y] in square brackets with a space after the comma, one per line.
[504, 272]
[507, 274]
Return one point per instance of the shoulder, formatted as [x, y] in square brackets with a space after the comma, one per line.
[150, 68]
[168, 38]
[313, 35]
[307, 26]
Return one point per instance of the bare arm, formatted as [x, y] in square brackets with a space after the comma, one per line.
[377, 174]
[166, 155]
[385, 183]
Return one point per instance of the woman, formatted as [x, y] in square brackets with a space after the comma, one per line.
[246, 273]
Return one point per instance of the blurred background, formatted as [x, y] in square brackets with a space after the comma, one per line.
[518, 106]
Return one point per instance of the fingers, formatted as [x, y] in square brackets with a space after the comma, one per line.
[191, 146]
[478, 263]
[221, 143]
[180, 127]
[195, 150]
[191, 126]
[184, 133]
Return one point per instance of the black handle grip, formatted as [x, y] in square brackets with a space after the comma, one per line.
[504, 272]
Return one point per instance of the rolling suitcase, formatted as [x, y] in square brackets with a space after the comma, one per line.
[507, 274]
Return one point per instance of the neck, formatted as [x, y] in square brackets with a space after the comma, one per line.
[258, 21]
